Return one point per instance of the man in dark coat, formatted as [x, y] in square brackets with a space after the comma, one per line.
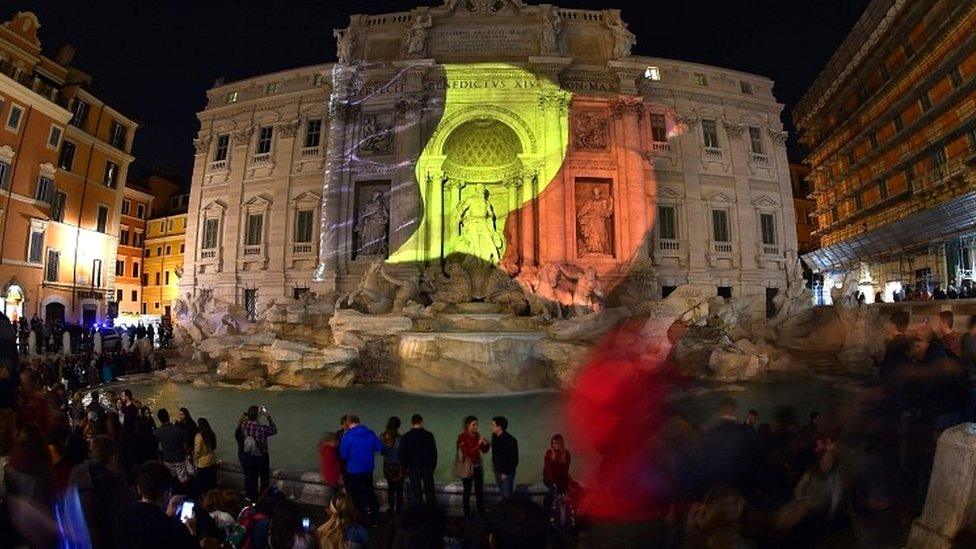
[418, 455]
[504, 456]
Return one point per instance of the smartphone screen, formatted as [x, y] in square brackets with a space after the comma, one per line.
[306, 524]
[186, 511]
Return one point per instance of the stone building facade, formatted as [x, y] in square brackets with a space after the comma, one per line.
[524, 136]
[136, 207]
[64, 155]
[890, 125]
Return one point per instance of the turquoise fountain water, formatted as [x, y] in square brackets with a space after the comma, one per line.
[302, 416]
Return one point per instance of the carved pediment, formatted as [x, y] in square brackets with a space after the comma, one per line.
[668, 192]
[307, 196]
[764, 200]
[259, 201]
[718, 196]
[217, 206]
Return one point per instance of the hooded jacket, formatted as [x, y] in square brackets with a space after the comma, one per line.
[358, 449]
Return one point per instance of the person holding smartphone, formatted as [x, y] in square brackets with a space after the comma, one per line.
[259, 466]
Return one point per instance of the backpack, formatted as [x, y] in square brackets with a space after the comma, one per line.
[251, 446]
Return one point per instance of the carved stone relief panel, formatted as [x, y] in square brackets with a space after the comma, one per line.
[591, 130]
[376, 137]
[594, 217]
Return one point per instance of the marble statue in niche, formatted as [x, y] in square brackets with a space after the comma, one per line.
[594, 215]
[478, 227]
[377, 137]
[371, 229]
[590, 131]
[417, 36]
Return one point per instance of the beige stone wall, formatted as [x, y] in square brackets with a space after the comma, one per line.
[679, 172]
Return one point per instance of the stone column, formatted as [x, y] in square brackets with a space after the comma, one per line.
[949, 505]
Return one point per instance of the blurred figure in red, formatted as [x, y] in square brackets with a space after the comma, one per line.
[617, 410]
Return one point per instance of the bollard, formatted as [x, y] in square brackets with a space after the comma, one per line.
[949, 505]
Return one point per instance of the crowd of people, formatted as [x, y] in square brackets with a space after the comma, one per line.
[94, 467]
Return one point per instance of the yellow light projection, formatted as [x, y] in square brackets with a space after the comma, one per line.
[501, 140]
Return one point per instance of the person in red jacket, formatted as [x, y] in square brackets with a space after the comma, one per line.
[329, 466]
[470, 445]
[555, 470]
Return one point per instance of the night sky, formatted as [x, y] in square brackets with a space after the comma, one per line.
[153, 60]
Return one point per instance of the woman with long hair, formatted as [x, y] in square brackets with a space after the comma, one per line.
[470, 446]
[555, 470]
[392, 469]
[341, 530]
[205, 456]
[189, 427]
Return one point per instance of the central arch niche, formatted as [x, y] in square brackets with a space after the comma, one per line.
[482, 171]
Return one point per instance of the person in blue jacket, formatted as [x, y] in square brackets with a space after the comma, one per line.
[358, 449]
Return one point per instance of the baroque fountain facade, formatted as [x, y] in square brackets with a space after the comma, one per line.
[473, 194]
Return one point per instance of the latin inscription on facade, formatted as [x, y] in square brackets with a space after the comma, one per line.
[496, 39]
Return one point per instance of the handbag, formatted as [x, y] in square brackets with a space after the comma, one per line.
[463, 468]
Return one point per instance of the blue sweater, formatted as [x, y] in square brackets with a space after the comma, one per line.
[358, 449]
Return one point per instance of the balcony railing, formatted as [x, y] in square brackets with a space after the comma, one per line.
[218, 165]
[722, 247]
[208, 254]
[668, 245]
[660, 147]
[309, 152]
[713, 152]
[262, 158]
[34, 83]
[302, 248]
[759, 159]
[770, 249]
[252, 250]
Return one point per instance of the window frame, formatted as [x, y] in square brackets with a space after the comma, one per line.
[111, 176]
[263, 140]
[58, 201]
[100, 224]
[38, 228]
[714, 134]
[79, 113]
[221, 148]
[62, 155]
[249, 231]
[675, 234]
[663, 127]
[14, 107]
[298, 226]
[216, 233]
[309, 133]
[727, 225]
[56, 143]
[756, 140]
[774, 234]
[52, 269]
[44, 191]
